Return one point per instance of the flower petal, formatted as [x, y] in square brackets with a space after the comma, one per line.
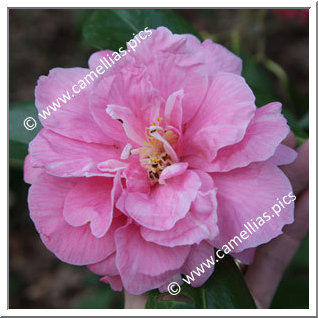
[175, 278]
[283, 156]
[128, 87]
[164, 205]
[173, 110]
[105, 267]
[218, 58]
[69, 116]
[173, 64]
[199, 224]
[131, 124]
[137, 179]
[144, 265]
[172, 171]
[114, 281]
[89, 201]
[30, 174]
[222, 119]
[199, 254]
[65, 157]
[244, 195]
[266, 131]
[112, 166]
[74, 245]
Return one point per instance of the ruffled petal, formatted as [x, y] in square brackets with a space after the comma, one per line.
[174, 170]
[105, 267]
[74, 113]
[252, 195]
[173, 64]
[173, 110]
[131, 124]
[74, 245]
[283, 155]
[222, 119]
[65, 157]
[144, 265]
[89, 201]
[114, 282]
[164, 205]
[199, 254]
[137, 179]
[266, 131]
[30, 174]
[219, 58]
[129, 88]
[199, 224]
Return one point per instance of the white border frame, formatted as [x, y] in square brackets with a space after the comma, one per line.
[312, 159]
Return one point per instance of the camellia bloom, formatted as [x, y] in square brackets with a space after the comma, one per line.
[159, 161]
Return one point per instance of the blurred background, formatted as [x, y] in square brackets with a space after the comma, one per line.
[274, 47]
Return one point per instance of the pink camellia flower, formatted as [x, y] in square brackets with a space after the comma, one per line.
[158, 162]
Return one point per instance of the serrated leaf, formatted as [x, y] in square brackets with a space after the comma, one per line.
[112, 28]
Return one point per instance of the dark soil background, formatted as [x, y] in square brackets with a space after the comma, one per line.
[43, 39]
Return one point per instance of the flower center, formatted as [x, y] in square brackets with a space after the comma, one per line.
[158, 151]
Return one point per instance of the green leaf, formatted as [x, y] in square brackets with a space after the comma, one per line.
[258, 79]
[17, 153]
[19, 136]
[261, 82]
[112, 28]
[225, 289]
[100, 299]
[301, 257]
[95, 295]
[304, 121]
[157, 300]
